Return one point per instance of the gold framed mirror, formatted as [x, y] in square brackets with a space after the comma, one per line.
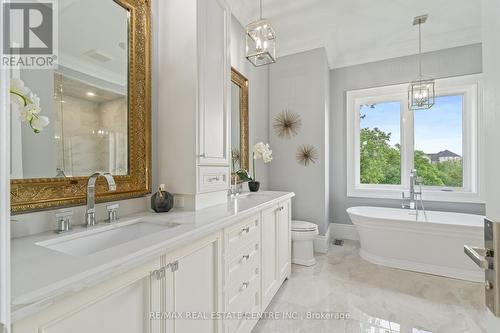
[106, 77]
[239, 121]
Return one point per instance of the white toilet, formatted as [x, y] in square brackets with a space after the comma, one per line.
[303, 234]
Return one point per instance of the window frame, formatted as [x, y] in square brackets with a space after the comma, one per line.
[472, 191]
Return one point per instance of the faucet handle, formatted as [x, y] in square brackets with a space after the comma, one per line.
[63, 219]
[112, 213]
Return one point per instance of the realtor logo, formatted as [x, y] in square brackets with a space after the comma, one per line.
[29, 34]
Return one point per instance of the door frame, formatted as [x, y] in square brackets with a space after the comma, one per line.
[4, 193]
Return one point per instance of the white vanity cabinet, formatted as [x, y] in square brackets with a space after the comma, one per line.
[185, 281]
[242, 255]
[257, 253]
[194, 84]
[276, 249]
[192, 287]
[121, 304]
[237, 269]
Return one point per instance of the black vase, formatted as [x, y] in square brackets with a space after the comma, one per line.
[162, 201]
[254, 186]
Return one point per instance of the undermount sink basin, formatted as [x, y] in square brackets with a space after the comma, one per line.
[92, 241]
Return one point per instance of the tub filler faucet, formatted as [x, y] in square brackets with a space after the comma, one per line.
[415, 198]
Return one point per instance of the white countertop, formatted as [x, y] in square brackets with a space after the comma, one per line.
[41, 275]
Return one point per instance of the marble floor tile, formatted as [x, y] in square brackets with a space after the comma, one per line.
[374, 298]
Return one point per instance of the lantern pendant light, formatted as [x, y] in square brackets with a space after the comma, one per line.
[260, 41]
[421, 92]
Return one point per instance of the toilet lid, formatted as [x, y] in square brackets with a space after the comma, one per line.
[303, 226]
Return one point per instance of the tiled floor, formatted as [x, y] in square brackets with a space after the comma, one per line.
[378, 299]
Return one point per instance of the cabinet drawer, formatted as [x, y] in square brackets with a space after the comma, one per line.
[246, 302]
[242, 296]
[243, 234]
[212, 179]
[242, 267]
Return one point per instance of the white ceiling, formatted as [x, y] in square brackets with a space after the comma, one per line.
[361, 31]
[98, 26]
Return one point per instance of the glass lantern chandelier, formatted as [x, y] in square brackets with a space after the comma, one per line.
[421, 92]
[260, 42]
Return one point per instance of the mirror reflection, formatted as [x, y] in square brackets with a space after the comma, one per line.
[235, 128]
[85, 98]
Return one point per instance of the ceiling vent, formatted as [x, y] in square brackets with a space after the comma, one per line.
[98, 55]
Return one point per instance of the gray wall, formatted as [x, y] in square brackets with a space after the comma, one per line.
[258, 96]
[39, 150]
[300, 83]
[445, 63]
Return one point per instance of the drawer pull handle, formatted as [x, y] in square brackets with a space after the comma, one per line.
[214, 179]
[281, 208]
[246, 230]
[246, 257]
[245, 285]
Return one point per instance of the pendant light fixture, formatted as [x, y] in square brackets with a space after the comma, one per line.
[260, 41]
[421, 92]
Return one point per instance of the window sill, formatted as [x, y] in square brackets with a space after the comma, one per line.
[394, 193]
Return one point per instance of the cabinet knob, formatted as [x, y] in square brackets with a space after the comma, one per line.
[246, 230]
[245, 285]
[246, 257]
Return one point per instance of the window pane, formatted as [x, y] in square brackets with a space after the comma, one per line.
[438, 142]
[380, 153]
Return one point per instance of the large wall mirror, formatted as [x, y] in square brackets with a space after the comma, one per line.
[239, 121]
[97, 100]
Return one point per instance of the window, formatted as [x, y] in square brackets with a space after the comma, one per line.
[386, 140]
[438, 142]
[379, 150]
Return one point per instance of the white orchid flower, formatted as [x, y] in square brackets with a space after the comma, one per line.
[17, 85]
[261, 151]
[28, 104]
[25, 116]
[39, 123]
[33, 109]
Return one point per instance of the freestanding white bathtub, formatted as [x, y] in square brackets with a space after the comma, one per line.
[395, 238]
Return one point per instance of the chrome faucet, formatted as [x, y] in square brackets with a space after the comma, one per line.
[90, 212]
[415, 197]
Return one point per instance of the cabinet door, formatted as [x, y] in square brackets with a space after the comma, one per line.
[193, 288]
[283, 247]
[121, 305]
[268, 256]
[214, 80]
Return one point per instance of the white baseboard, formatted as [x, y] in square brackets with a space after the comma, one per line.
[343, 231]
[322, 242]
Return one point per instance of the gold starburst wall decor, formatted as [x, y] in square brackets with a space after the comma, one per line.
[287, 124]
[307, 154]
